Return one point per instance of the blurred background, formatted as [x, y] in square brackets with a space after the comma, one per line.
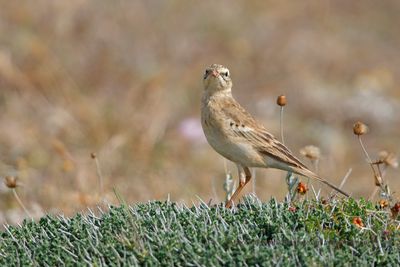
[123, 79]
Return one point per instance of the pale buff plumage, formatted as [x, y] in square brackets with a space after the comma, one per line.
[234, 134]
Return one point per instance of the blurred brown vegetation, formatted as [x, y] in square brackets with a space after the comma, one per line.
[123, 79]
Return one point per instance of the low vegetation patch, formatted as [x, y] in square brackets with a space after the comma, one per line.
[343, 232]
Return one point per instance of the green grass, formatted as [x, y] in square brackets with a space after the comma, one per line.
[166, 233]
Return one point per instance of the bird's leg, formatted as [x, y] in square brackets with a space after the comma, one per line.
[244, 178]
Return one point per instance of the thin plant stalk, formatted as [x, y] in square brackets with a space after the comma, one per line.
[229, 184]
[359, 129]
[373, 194]
[372, 167]
[99, 176]
[345, 178]
[315, 163]
[214, 190]
[333, 193]
[367, 155]
[20, 203]
[254, 180]
[316, 195]
[289, 195]
[381, 174]
[281, 125]
[281, 101]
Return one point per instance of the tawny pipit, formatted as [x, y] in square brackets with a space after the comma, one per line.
[234, 134]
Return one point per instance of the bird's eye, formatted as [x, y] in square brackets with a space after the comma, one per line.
[206, 74]
[226, 74]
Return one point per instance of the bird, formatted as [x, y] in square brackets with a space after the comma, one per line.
[236, 135]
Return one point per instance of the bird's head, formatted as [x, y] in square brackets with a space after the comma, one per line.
[217, 79]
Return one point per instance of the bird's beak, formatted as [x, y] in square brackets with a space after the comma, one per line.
[215, 73]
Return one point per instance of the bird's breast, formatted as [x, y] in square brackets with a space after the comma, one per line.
[217, 132]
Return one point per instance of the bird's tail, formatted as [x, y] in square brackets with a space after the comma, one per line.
[308, 173]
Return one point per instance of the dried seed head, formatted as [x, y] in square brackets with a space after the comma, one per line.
[302, 188]
[311, 152]
[378, 180]
[389, 159]
[395, 210]
[358, 222]
[324, 201]
[10, 181]
[93, 155]
[292, 209]
[383, 203]
[360, 128]
[281, 100]
[396, 207]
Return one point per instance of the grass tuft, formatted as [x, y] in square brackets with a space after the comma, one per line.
[167, 233]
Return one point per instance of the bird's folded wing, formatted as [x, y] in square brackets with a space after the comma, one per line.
[243, 125]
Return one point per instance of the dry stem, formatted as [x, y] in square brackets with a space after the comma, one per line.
[281, 125]
[21, 204]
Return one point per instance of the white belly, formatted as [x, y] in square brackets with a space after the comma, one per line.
[235, 149]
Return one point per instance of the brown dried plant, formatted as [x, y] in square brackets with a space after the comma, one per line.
[313, 153]
[98, 171]
[383, 203]
[395, 210]
[357, 221]
[385, 158]
[12, 183]
[281, 101]
[302, 188]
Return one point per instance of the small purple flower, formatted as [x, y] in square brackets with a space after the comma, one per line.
[190, 129]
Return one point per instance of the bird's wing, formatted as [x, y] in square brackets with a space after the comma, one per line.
[243, 125]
